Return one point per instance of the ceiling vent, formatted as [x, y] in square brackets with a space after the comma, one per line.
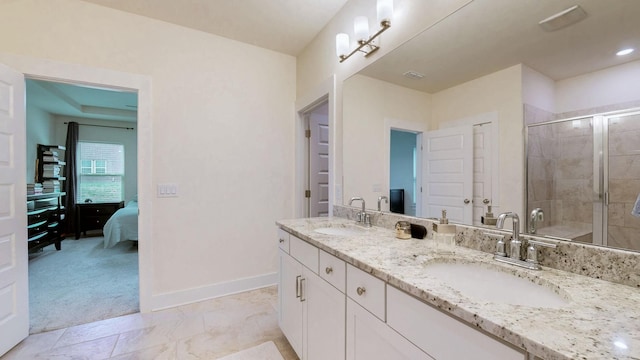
[563, 19]
[413, 75]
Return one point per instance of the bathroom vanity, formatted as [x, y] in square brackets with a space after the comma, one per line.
[348, 292]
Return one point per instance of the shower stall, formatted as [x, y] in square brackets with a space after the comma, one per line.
[584, 175]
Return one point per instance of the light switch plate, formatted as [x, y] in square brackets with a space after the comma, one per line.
[167, 190]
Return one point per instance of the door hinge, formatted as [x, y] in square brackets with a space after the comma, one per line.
[307, 193]
[307, 133]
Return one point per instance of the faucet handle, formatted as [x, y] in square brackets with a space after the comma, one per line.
[500, 248]
[532, 251]
[366, 219]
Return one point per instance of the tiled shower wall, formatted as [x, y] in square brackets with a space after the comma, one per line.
[624, 182]
[560, 168]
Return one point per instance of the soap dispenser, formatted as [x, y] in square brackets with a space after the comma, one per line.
[443, 226]
[444, 235]
[488, 218]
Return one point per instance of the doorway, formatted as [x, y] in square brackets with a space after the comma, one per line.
[403, 172]
[106, 178]
[317, 135]
[17, 67]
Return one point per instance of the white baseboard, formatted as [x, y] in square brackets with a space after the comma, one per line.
[188, 296]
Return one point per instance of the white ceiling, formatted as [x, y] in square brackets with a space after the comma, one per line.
[489, 35]
[79, 101]
[285, 26]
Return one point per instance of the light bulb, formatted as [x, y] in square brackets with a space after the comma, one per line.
[342, 44]
[385, 10]
[361, 28]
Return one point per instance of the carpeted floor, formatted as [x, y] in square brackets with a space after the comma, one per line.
[82, 283]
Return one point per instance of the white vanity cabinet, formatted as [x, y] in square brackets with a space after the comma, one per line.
[369, 338]
[333, 310]
[312, 310]
[440, 335]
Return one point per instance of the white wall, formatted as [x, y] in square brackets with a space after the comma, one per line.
[368, 103]
[500, 93]
[128, 138]
[613, 85]
[538, 89]
[222, 115]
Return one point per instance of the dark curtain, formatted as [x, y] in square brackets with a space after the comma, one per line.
[70, 173]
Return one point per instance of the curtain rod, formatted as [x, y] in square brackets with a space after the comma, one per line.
[106, 126]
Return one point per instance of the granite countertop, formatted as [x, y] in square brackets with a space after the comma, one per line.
[601, 320]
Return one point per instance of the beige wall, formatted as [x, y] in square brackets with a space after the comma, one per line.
[614, 85]
[369, 106]
[222, 114]
[500, 92]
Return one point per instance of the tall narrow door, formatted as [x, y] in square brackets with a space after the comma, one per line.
[482, 189]
[318, 165]
[448, 174]
[14, 290]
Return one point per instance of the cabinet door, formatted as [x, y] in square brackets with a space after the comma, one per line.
[290, 316]
[368, 338]
[324, 309]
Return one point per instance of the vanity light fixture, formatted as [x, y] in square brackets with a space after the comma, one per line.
[361, 31]
[625, 52]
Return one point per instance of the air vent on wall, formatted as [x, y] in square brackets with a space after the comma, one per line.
[413, 75]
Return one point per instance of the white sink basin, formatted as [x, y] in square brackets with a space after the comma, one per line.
[341, 230]
[492, 285]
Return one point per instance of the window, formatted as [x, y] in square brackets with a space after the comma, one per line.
[101, 172]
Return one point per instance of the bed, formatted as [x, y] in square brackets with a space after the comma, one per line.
[122, 225]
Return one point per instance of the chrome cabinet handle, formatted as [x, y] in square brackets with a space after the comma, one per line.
[466, 201]
[281, 241]
[328, 270]
[302, 298]
[298, 295]
[485, 201]
[361, 290]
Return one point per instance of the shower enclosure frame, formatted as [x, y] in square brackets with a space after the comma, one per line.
[600, 192]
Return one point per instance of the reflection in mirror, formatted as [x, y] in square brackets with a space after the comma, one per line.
[582, 173]
[491, 64]
[403, 168]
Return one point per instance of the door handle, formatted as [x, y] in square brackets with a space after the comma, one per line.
[298, 295]
[466, 201]
[486, 201]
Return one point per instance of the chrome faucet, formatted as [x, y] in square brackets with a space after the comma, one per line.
[536, 215]
[361, 217]
[386, 200]
[516, 244]
[515, 253]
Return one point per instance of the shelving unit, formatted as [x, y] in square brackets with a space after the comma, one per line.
[45, 220]
[45, 212]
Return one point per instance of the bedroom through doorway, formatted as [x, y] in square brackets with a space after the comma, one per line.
[95, 274]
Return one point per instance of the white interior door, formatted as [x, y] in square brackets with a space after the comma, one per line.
[448, 173]
[319, 164]
[482, 189]
[14, 286]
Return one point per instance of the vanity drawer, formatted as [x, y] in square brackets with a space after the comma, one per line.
[366, 290]
[283, 240]
[304, 252]
[333, 270]
[438, 334]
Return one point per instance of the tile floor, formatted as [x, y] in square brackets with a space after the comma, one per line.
[205, 330]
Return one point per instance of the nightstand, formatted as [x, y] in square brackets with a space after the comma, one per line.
[93, 216]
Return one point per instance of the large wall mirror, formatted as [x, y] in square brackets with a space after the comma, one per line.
[466, 94]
